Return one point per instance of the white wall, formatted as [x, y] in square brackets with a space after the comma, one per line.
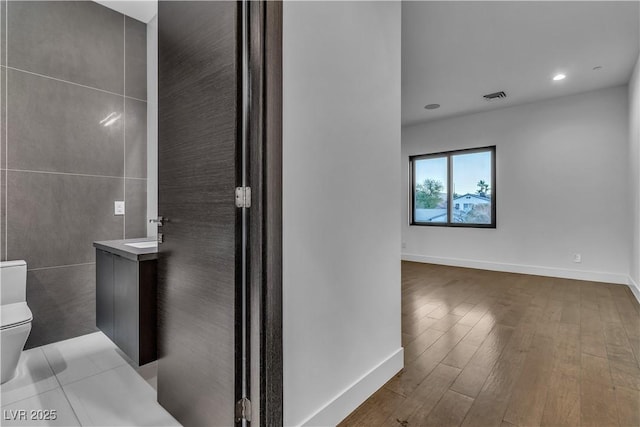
[341, 207]
[562, 188]
[152, 125]
[634, 169]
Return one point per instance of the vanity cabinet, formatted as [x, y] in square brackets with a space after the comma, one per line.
[126, 303]
[104, 293]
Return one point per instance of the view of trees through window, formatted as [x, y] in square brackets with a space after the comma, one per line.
[431, 192]
[469, 172]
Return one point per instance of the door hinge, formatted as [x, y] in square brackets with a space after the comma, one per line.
[243, 410]
[243, 197]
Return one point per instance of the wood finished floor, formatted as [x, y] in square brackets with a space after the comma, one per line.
[486, 348]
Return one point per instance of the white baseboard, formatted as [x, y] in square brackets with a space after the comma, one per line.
[635, 288]
[594, 276]
[349, 399]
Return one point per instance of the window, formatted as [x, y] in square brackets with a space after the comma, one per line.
[470, 174]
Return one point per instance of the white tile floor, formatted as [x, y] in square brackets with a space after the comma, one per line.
[87, 381]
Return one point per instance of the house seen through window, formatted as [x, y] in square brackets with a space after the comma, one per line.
[454, 188]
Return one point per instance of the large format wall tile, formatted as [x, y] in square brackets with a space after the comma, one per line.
[3, 173]
[3, 214]
[135, 61]
[60, 127]
[77, 41]
[63, 303]
[136, 208]
[3, 31]
[54, 219]
[136, 138]
[3, 117]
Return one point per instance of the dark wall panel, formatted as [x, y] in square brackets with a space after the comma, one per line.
[197, 169]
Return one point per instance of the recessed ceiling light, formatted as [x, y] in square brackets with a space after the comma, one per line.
[431, 106]
[558, 77]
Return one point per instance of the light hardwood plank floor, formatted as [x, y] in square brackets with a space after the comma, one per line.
[487, 348]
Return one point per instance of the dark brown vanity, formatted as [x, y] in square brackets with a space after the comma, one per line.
[126, 296]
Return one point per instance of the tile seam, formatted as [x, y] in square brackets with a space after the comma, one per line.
[6, 129]
[124, 123]
[71, 174]
[51, 267]
[42, 392]
[64, 393]
[72, 83]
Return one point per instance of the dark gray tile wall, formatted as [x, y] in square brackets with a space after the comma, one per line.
[3, 213]
[135, 59]
[135, 208]
[55, 218]
[136, 142]
[73, 141]
[3, 116]
[3, 31]
[63, 303]
[3, 119]
[76, 41]
[61, 127]
[3, 139]
[3, 156]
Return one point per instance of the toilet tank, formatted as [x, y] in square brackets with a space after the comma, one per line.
[13, 282]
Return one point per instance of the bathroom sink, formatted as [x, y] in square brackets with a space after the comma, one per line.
[143, 245]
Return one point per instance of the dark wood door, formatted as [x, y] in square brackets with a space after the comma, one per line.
[198, 169]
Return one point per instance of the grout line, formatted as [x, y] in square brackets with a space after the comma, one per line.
[38, 393]
[6, 130]
[60, 266]
[71, 83]
[71, 174]
[124, 123]
[61, 387]
[125, 363]
[118, 351]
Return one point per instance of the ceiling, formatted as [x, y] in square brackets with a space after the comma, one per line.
[454, 52]
[142, 10]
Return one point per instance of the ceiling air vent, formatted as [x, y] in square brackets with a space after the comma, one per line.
[495, 95]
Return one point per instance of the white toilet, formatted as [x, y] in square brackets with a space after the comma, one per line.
[14, 314]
